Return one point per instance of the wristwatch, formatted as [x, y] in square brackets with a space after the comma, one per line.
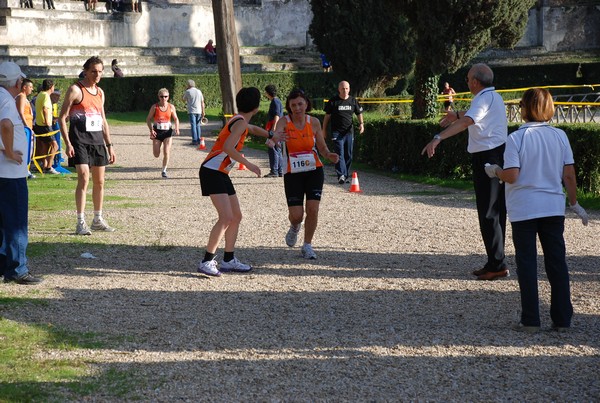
[271, 134]
[437, 137]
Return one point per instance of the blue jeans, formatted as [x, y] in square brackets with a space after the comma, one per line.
[195, 119]
[14, 206]
[342, 145]
[275, 160]
[550, 231]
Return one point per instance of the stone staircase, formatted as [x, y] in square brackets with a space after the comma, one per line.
[63, 61]
[73, 34]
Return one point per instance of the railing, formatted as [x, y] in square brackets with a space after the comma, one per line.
[572, 108]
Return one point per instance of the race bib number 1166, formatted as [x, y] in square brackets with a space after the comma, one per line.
[302, 162]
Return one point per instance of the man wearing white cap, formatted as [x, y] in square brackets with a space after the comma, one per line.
[14, 196]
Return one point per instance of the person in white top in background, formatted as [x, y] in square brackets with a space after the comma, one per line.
[195, 108]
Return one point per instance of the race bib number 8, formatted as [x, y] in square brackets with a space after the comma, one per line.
[93, 123]
[302, 162]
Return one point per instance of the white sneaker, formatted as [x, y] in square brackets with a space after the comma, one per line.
[101, 225]
[209, 268]
[342, 180]
[52, 171]
[292, 235]
[308, 252]
[82, 229]
[235, 265]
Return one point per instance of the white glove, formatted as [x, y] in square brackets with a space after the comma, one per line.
[577, 209]
[492, 170]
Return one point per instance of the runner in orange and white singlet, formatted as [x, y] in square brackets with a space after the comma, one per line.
[215, 182]
[217, 158]
[159, 123]
[304, 175]
[87, 142]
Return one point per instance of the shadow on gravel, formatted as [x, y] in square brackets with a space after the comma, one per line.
[286, 262]
[349, 344]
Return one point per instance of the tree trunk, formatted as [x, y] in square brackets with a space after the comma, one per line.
[228, 54]
[426, 91]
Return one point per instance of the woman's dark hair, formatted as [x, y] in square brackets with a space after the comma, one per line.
[247, 99]
[92, 61]
[47, 84]
[271, 90]
[114, 61]
[295, 94]
[25, 82]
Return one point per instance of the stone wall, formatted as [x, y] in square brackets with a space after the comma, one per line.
[563, 25]
[162, 24]
[554, 25]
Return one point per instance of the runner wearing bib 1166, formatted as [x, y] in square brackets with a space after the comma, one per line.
[304, 174]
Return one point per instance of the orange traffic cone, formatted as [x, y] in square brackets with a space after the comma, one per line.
[354, 186]
[202, 145]
[241, 166]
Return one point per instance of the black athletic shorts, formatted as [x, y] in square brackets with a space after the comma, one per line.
[161, 135]
[303, 183]
[89, 154]
[43, 130]
[214, 182]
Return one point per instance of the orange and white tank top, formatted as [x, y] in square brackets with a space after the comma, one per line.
[162, 119]
[27, 113]
[300, 147]
[86, 117]
[218, 159]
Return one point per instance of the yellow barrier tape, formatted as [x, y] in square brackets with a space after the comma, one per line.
[460, 96]
[47, 134]
[39, 157]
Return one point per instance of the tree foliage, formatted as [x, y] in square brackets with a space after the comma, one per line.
[449, 33]
[367, 46]
[374, 42]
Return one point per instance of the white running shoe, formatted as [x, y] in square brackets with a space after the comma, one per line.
[308, 252]
[292, 235]
[82, 229]
[235, 265]
[101, 225]
[52, 171]
[209, 268]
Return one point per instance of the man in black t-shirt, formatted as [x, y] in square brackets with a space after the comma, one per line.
[339, 110]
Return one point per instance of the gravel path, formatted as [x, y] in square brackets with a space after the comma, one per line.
[389, 311]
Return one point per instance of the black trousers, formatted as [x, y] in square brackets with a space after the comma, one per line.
[491, 206]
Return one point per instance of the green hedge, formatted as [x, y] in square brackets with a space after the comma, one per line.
[139, 93]
[396, 145]
[130, 94]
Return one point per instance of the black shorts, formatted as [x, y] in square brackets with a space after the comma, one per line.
[303, 183]
[161, 135]
[214, 182]
[43, 130]
[89, 154]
